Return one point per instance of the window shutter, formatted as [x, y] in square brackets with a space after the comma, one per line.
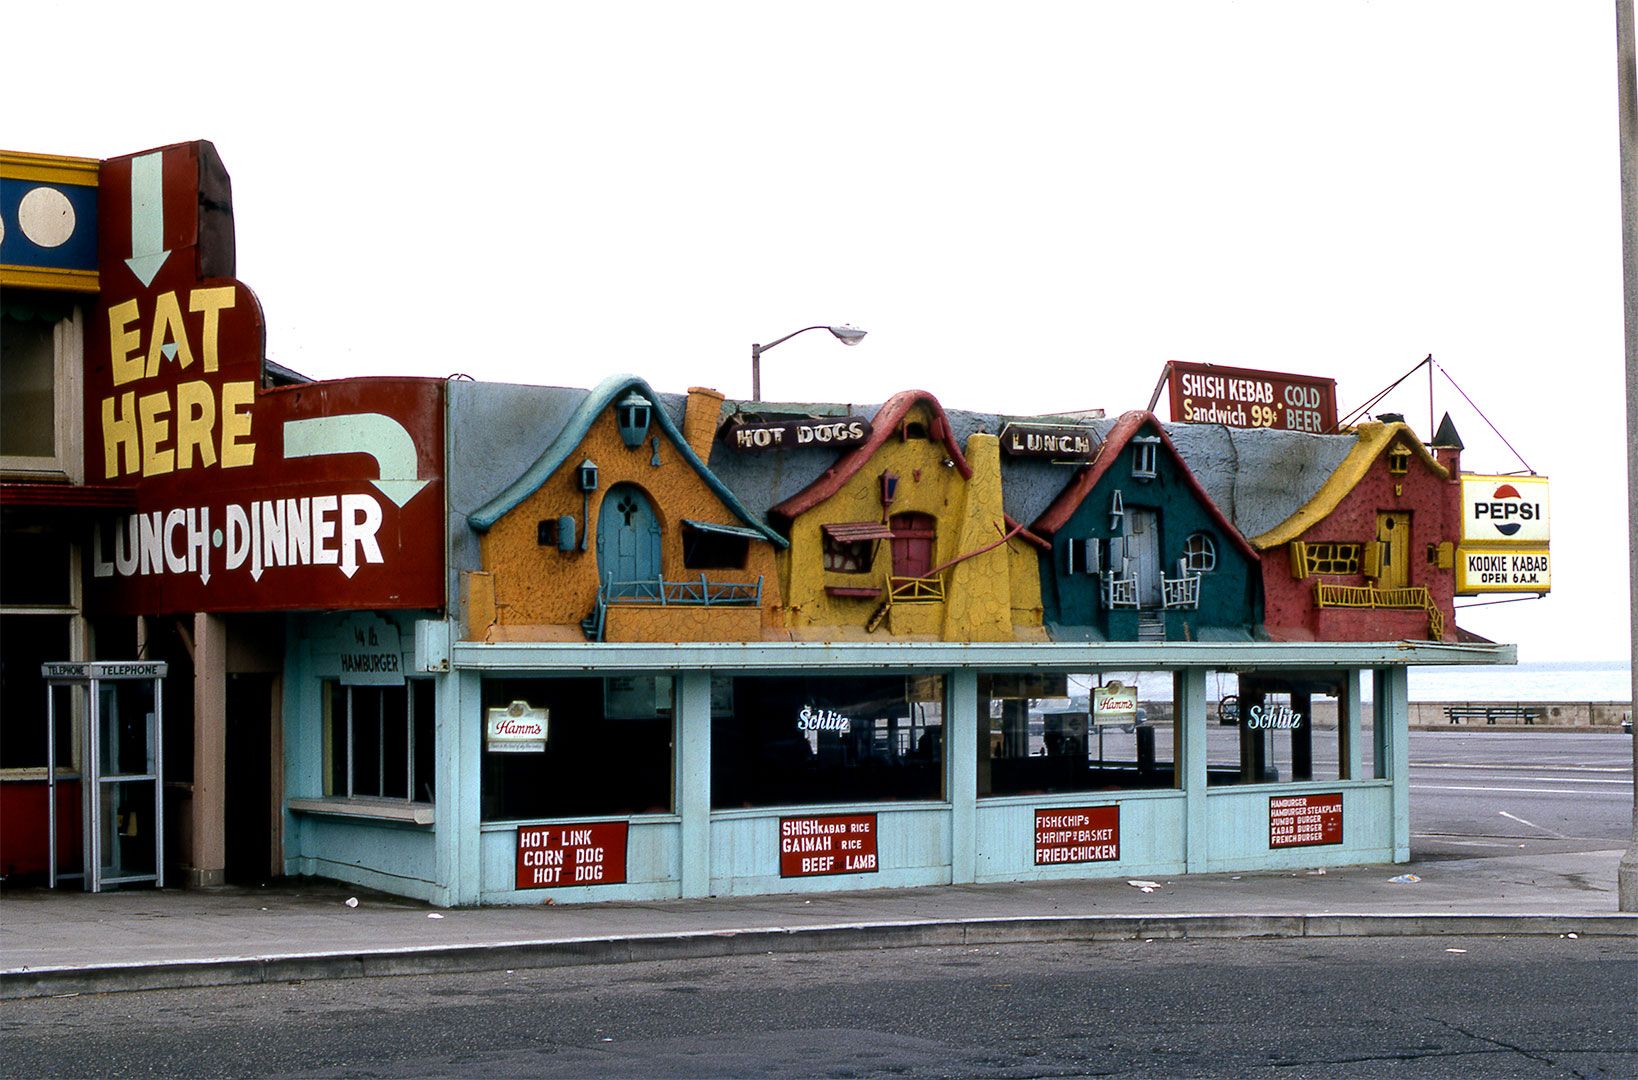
[1447, 555]
[1373, 559]
[1094, 555]
[1069, 555]
[1299, 559]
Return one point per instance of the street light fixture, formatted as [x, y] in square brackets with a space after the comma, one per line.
[847, 335]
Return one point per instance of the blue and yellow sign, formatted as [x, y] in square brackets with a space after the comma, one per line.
[48, 221]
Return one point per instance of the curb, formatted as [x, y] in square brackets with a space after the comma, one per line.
[19, 983]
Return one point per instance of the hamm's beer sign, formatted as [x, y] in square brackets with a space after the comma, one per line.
[1506, 526]
[319, 496]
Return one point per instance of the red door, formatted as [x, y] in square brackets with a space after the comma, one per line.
[912, 545]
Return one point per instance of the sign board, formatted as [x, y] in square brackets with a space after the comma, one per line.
[1505, 510]
[84, 670]
[827, 844]
[838, 432]
[319, 496]
[1077, 835]
[1248, 398]
[48, 222]
[518, 728]
[1304, 820]
[368, 651]
[1114, 704]
[1052, 441]
[589, 853]
[1503, 570]
[1270, 717]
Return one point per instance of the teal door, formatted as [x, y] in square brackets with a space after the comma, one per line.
[628, 536]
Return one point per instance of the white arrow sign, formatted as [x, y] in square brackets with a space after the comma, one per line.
[148, 252]
[381, 437]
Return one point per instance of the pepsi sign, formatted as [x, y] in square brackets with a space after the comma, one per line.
[1505, 510]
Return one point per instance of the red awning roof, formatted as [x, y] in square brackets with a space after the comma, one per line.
[851, 532]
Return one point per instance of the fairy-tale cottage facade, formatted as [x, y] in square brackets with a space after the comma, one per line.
[1369, 556]
[905, 536]
[619, 531]
[1141, 552]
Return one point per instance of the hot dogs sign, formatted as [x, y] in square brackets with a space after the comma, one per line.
[319, 495]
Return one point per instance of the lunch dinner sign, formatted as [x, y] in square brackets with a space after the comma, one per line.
[320, 495]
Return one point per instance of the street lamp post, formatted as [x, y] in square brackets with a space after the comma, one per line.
[1627, 98]
[847, 335]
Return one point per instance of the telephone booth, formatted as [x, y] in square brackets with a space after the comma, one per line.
[113, 713]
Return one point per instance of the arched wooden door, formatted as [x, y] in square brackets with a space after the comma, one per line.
[913, 536]
[628, 536]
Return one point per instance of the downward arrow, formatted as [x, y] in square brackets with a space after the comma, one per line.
[148, 252]
[382, 437]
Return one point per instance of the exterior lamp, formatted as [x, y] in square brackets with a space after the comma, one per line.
[587, 477]
[631, 416]
[847, 335]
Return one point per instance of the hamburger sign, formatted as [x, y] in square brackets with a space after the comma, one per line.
[1506, 526]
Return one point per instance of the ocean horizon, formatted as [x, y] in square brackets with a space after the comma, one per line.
[1566, 681]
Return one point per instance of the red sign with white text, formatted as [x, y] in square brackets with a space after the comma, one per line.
[316, 496]
[1077, 834]
[1246, 397]
[1304, 820]
[827, 844]
[590, 853]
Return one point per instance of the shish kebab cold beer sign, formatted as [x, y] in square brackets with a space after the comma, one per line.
[1248, 398]
[325, 495]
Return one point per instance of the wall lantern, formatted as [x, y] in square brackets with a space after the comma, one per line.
[632, 416]
[890, 488]
[587, 475]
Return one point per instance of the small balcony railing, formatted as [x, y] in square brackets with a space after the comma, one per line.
[1369, 596]
[1118, 592]
[689, 593]
[1180, 592]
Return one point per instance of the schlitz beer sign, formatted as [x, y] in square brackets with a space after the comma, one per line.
[1060, 442]
[789, 433]
[324, 495]
[1248, 398]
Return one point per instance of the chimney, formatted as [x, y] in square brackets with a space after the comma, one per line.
[700, 419]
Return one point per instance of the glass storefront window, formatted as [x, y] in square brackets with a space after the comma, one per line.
[379, 741]
[1040, 734]
[1273, 728]
[607, 748]
[791, 740]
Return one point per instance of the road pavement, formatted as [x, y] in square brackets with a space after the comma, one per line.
[1486, 866]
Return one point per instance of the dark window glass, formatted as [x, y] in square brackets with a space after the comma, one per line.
[28, 368]
[713, 551]
[26, 642]
[34, 568]
[608, 749]
[422, 700]
[1059, 733]
[795, 740]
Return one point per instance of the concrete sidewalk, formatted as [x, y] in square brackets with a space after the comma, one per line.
[71, 942]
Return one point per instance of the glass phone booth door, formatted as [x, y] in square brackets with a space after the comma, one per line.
[114, 713]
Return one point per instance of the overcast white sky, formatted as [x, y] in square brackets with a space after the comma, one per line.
[1030, 207]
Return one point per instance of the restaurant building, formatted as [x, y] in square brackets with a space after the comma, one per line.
[481, 643]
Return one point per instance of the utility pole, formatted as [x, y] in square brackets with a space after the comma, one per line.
[1627, 93]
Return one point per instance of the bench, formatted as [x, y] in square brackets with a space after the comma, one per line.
[1491, 713]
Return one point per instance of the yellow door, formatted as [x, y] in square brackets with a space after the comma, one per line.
[1393, 543]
